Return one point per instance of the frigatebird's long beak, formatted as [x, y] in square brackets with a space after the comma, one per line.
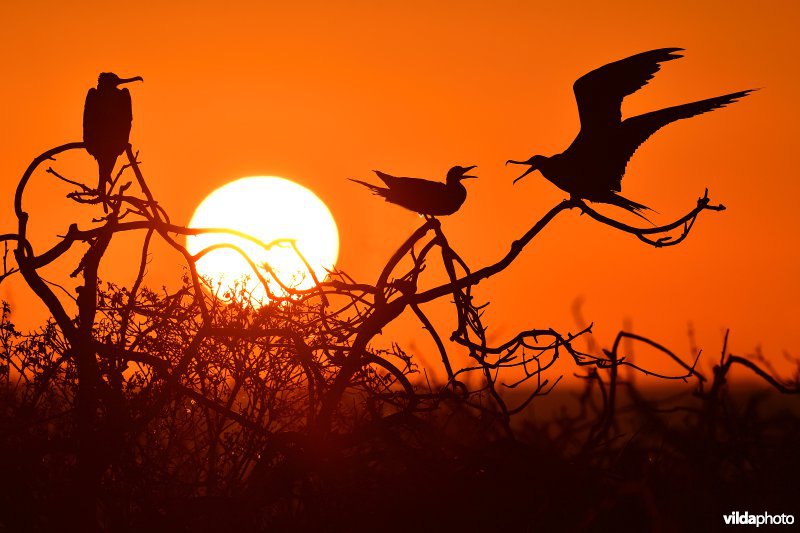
[531, 169]
[467, 169]
[128, 80]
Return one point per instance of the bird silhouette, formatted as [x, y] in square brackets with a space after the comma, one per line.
[107, 118]
[592, 166]
[429, 198]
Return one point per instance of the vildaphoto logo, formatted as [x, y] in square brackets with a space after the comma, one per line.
[763, 519]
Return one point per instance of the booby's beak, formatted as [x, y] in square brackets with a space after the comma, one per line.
[128, 80]
[531, 169]
[467, 169]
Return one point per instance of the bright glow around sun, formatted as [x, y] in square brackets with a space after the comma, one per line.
[267, 208]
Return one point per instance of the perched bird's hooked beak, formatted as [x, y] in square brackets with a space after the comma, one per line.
[528, 162]
[128, 80]
[467, 169]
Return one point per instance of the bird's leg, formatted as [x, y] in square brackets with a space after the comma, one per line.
[580, 203]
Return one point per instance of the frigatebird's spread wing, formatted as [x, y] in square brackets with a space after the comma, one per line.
[636, 130]
[600, 92]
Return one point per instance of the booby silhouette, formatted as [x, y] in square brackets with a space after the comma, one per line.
[592, 166]
[107, 118]
[425, 197]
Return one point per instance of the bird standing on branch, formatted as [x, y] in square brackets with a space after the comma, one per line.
[107, 117]
[429, 198]
[592, 166]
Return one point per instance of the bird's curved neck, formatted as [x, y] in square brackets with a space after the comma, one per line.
[547, 165]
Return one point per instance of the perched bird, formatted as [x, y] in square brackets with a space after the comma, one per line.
[593, 165]
[429, 198]
[107, 118]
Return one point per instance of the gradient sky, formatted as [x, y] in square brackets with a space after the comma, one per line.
[318, 91]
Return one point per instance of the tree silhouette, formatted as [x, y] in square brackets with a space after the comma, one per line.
[133, 406]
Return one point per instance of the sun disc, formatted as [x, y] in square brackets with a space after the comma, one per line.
[267, 208]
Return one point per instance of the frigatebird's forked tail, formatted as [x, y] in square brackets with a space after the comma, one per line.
[626, 204]
[107, 119]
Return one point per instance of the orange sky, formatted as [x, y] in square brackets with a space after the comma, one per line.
[320, 92]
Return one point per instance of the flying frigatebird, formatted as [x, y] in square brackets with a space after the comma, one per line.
[593, 165]
[430, 198]
[107, 118]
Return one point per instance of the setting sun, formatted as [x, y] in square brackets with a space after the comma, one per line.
[267, 208]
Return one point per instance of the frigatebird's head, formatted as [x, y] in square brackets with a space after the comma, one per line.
[111, 80]
[536, 162]
[456, 174]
